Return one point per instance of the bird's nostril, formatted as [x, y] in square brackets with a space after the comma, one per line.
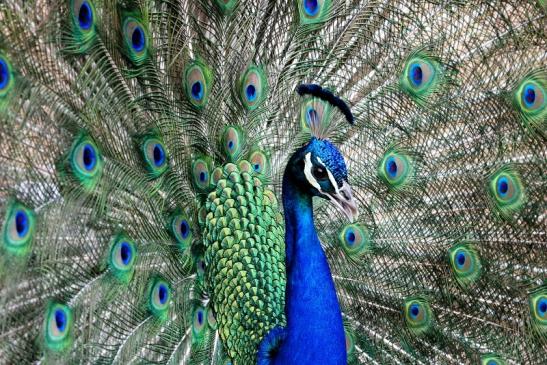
[345, 195]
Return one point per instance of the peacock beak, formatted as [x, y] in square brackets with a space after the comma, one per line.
[343, 199]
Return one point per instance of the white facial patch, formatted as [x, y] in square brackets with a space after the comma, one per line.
[307, 172]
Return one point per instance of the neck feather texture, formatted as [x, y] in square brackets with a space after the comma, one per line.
[314, 332]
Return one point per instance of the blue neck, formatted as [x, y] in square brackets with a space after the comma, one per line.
[314, 332]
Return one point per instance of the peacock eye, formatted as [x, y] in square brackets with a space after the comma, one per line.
[18, 229]
[158, 297]
[532, 96]
[418, 315]
[319, 172]
[181, 230]
[85, 15]
[155, 156]
[197, 83]
[538, 308]
[136, 40]
[83, 24]
[232, 141]
[58, 326]
[122, 258]
[492, 359]
[253, 87]
[199, 321]
[5, 75]
[313, 11]
[86, 161]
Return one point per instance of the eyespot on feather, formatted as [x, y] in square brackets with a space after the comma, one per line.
[136, 40]
[58, 327]
[465, 263]
[18, 229]
[155, 155]
[200, 172]
[83, 15]
[199, 323]
[315, 116]
[418, 315]
[159, 297]
[197, 81]
[254, 85]
[233, 142]
[122, 257]
[313, 11]
[531, 96]
[86, 161]
[259, 162]
[355, 240]
[6, 78]
[528, 99]
[395, 169]
[422, 76]
[180, 229]
[83, 25]
[537, 303]
[506, 191]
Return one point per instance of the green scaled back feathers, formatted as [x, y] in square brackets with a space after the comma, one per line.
[244, 257]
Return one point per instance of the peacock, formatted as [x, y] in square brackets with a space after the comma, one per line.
[273, 182]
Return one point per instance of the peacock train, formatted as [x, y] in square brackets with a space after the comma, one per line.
[273, 182]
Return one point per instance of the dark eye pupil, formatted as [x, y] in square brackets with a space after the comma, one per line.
[3, 74]
[530, 95]
[158, 155]
[20, 223]
[542, 305]
[311, 6]
[417, 75]
[312, 116]
[183, 228]
[137, 38]
[125, 253]
[320, 172]
[60, 319]
[162, 294]
[351, 237]
[251, 90]
[461, 259]
[503, 187]
[196, 89]
[85, 16]
[88, 157]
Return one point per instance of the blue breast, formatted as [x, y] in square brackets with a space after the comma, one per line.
[314, 333]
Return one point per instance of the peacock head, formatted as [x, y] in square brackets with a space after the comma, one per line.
[318, 169]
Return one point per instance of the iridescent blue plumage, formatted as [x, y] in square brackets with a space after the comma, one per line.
[314, 333]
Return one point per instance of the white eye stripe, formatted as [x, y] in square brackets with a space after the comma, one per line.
[307, 172]
[331, 177]
[321, 162]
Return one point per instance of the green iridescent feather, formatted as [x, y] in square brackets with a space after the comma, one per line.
[244, 255]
